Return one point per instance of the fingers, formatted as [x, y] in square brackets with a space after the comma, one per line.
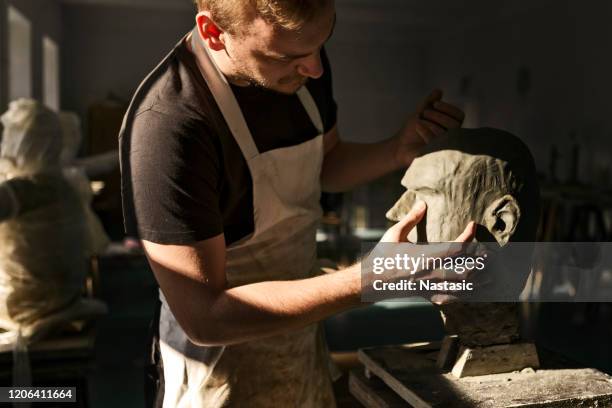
[468, 233]
[450, 110]
[428, 130]
[451, 249]
[411, 220]
[464, 238]
[434, 96]
[437, 116]
[434, 129]
[442, 119]
[424, 131]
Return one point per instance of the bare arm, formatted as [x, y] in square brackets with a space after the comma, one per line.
[348, 165]
[192, 278]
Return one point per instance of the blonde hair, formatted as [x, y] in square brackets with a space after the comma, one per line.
[291, 15]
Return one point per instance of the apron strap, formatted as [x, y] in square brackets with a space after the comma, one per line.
[311, 108]
[226, 101]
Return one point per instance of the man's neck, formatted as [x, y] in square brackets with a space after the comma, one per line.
[220, 58]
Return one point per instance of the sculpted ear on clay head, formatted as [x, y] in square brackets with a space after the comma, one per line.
[502, 217]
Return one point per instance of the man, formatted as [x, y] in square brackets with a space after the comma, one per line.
[224, 151]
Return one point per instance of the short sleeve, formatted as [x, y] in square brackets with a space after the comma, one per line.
[170, 179]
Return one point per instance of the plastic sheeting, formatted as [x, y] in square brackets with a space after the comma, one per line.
[31, 140]
[44, 252]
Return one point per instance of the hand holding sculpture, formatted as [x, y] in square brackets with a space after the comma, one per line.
[486, 175]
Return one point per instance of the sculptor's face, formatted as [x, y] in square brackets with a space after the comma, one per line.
[278, 59]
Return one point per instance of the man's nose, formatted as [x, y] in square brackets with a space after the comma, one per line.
[311, 66]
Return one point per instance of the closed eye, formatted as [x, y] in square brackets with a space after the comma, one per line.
[281, 58]
[428, 190]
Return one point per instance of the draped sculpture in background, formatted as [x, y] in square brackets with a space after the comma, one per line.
[47, 230]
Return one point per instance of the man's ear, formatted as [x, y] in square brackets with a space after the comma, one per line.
[502, 217]
[209, 31]
[402, 206]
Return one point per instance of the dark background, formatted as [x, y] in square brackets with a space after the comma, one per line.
[538, 68]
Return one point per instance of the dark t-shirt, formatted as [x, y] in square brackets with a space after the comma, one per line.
[183, 176]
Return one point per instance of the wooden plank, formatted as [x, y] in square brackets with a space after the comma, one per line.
[503, 358]
[448, 352]
[345, 360]
[415, 377]
[386, 373]
[373, 393]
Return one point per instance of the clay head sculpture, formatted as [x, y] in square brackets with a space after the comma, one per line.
[485, 175]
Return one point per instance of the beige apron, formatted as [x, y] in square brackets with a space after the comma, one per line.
[289, 370]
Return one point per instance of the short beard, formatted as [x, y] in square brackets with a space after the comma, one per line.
[244, 76]
[249, 79]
